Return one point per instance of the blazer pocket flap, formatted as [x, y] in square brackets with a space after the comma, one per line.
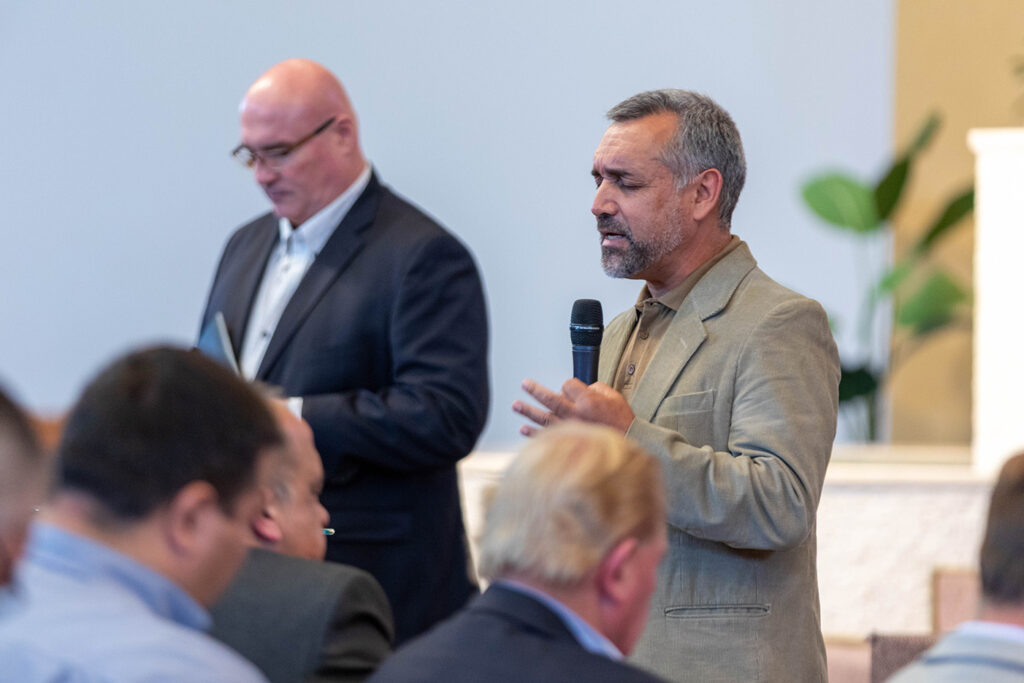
[712, 611]
[700, 402]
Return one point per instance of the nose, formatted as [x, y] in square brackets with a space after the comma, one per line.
[262, 171]
[603, 204]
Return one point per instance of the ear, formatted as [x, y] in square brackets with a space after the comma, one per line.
[708, 186]
[266, 528]
[614, 575]
[345, 126]
[188, 516]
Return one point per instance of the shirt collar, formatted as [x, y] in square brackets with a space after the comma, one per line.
[61, 551]
[586, 635]
[993, 630]
[316, 229]
[674, 297]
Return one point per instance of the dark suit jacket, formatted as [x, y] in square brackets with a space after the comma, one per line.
[385, 340]
[503, 636]
[298, 620]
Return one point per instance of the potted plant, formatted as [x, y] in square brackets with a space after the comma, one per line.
[924, 297]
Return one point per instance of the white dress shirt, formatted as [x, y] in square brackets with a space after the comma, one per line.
[288, 264]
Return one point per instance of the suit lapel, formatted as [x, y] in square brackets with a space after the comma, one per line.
[613, 344]
[687, 333]
[253, 262]
[339, 250]
[684, 336]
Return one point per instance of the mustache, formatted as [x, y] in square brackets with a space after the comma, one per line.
[608, 223]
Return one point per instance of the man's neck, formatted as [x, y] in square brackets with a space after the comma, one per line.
[708, 242]
[83, 516]
[1011, 615]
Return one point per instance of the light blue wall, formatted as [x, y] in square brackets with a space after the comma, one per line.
[118, 192]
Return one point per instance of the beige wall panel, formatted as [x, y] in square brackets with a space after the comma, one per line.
[956, 57]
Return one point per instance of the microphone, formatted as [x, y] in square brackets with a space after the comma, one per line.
[586, 325]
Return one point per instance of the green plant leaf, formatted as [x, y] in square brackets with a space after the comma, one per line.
[932, 305]
[889, 189]
[855, 382]
[955, 210]
[894, 277]
[925, 134]
[842, 201]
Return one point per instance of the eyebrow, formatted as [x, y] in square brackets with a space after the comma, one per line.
[612, 172]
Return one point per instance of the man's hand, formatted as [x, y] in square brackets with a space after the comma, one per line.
[597, 403]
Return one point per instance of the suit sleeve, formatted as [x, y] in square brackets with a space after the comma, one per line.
[359, 635]
[763, 492]
[435, 407]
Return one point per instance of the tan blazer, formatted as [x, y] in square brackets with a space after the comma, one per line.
[739, 404]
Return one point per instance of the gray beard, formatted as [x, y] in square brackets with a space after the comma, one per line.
[637, 256]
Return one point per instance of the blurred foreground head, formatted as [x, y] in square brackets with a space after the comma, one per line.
[164, 457]
[1002, 550]
[293, 519]
[23, 479]
[580, 514]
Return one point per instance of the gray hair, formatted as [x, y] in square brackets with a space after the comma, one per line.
[574, 491]
[706, 137]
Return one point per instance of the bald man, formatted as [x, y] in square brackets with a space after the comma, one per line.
[370, 317]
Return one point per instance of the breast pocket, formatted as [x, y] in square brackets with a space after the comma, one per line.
[690, 415]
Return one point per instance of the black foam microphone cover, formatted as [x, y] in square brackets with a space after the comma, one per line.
[586, 326]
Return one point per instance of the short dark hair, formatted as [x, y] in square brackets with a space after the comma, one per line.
[156, 420]
[705, 137]
[1002, 550]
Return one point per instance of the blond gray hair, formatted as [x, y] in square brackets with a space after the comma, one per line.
[572, 493]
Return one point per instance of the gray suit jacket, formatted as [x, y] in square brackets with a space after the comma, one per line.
[739, 403]
[300, 620]
[967, 657]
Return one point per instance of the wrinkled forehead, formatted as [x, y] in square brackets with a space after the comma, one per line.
[635, 142]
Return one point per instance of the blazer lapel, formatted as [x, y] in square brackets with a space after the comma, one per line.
[686, 333]
[339, 250]
[684, 336]
[253, 261]
[613, 344]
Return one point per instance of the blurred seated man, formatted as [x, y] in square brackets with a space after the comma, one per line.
[147, 525]
[293, 615]
[990, 649]
[23, 476]
[572, 539]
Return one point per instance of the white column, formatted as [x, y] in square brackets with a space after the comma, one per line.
[998, 296]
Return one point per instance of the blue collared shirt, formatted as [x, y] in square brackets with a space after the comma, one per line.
[586, 635]
[80, 611]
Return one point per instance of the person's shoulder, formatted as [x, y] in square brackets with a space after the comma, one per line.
[273, 566]
[407, 218]
[466, 643]
[141, 647]
[259, 224]
[258, 227]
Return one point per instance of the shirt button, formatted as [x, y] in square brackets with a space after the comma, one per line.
[644, 334]
[631, 369]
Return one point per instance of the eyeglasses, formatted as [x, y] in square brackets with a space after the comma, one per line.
[276, 156]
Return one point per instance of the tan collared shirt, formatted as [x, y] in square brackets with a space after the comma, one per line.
[654, 315]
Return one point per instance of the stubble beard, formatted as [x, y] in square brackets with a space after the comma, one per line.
[637, 256]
